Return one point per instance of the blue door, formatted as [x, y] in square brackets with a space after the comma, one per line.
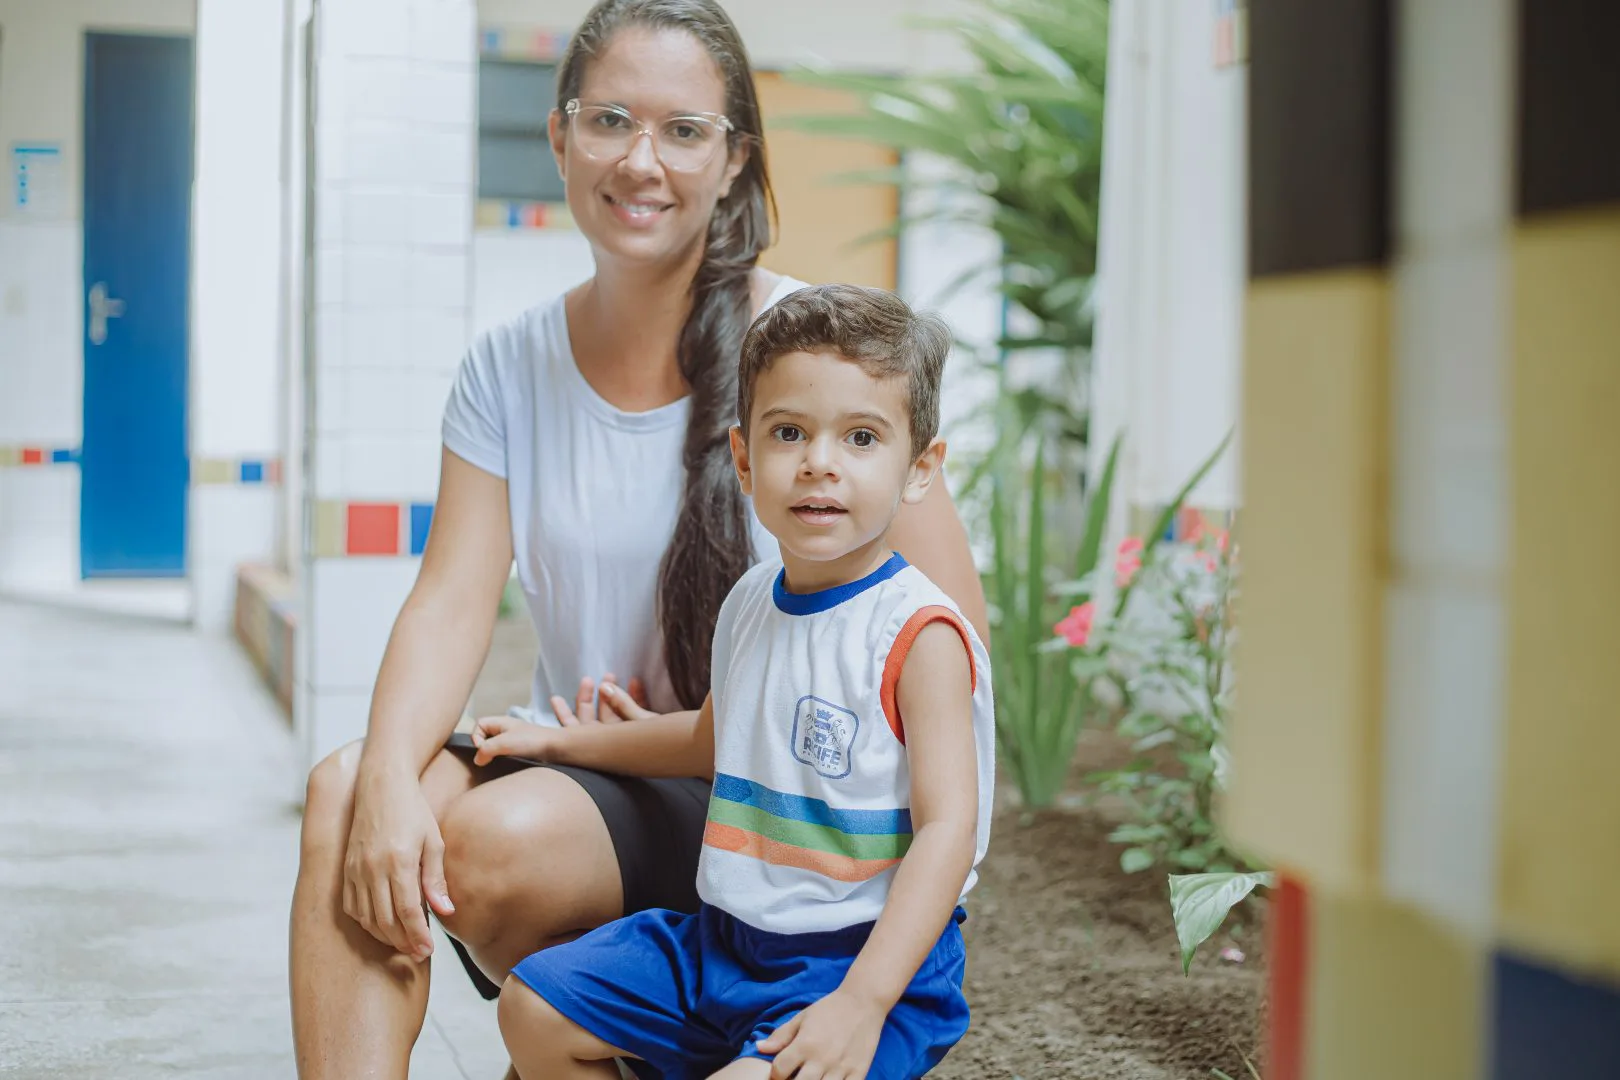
[137, 238]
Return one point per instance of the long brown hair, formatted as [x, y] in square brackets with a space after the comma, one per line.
[713, 544]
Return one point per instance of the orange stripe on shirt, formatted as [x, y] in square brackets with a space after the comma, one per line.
[902, 648]
[838, 867]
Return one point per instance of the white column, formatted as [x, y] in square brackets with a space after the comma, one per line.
[1171, 259]
[235, 441]
[394, 143]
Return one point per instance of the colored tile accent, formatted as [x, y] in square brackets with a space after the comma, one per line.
[497, 214]
[210, 471]
[1231, 33]
[1568, 85]
[1551, 1024]
[63, 457]
[32, 456]
[373, 529]
[1288, 968]
[522, 43]
[8, 456]
[421, 522]
[252, 472]
[1319, 136]
[272, 471]
[330, 529]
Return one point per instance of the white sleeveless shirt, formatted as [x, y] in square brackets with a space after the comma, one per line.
[593, 493]
[811, 809]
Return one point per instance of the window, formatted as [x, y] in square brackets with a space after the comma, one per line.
[514, 154]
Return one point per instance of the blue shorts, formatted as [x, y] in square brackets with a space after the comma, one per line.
[689, 994]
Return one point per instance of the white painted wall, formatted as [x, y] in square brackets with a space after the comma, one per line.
[1172, 267]
[41, 275]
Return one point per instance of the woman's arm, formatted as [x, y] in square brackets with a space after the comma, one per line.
[442, 634]
[931, 537]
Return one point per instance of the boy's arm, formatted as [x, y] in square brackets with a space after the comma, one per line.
[646, 744]
[936, 704]
[937, 708]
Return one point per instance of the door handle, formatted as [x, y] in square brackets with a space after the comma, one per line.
[102, 308]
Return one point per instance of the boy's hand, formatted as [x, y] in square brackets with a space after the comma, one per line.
[834, 1039]
[507, 736]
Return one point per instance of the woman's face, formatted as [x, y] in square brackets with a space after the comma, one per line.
[635, 208]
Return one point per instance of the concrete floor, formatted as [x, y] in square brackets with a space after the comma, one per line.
[148, 844]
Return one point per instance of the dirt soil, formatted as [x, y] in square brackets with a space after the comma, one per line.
[1073, 972]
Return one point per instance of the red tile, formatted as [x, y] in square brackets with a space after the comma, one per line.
[1288, 968]
[33, 457]
[373, 529]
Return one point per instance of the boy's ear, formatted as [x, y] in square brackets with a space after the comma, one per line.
[924, 471]
[739, 458]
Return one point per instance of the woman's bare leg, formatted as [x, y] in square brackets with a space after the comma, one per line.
[528, 860]
[546, 1045]
[357, 1004]
[530, 863]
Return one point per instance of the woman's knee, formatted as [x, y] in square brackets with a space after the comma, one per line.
[329, 798]
[499, 839]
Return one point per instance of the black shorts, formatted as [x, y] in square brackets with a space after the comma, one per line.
[657, 831]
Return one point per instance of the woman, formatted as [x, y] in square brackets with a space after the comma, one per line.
[589, 439]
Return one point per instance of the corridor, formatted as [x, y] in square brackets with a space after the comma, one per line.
[148, 844]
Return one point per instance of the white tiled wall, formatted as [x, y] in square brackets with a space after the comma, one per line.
[396, 85]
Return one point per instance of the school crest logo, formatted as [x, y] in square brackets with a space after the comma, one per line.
[823, 736]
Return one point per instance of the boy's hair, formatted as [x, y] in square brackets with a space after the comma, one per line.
[870, 327]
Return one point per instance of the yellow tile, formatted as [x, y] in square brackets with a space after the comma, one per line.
[211, 471]
[330, 529]
[1391, 994]
[1305, 740]
[9, 455]
[1560, 803]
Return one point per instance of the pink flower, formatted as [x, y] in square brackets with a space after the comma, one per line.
[1075, 627]
[1232, 955]
[1128, 560]
[1207, 560]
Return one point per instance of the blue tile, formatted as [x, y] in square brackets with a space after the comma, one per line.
[61, 457]
[1548, 1024]
[252, 472]
[421, 521]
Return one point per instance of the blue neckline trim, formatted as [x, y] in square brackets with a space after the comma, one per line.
[827, 599]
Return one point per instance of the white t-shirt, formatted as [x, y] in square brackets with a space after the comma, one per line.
[593, 492]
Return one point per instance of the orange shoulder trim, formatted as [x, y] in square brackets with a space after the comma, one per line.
[902, 649]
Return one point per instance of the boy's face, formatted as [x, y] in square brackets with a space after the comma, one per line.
[828, 457]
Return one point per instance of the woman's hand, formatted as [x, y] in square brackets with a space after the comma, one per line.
[609, 704]
[395, 858]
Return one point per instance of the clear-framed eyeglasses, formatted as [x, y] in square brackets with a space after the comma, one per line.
[682, 143]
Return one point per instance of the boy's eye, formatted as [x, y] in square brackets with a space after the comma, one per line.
[863, 438]
[786, 433]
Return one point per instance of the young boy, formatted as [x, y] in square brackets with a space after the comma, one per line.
[849, 735]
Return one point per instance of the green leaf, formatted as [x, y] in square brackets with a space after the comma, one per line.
[1097, 513]
[1199, 903]
[1135, 860]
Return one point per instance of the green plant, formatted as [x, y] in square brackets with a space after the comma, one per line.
[1024, 132]
[1199, 903]
[1038, 702]
[1167, 651]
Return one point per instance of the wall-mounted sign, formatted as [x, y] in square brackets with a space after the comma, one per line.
[38, 180]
